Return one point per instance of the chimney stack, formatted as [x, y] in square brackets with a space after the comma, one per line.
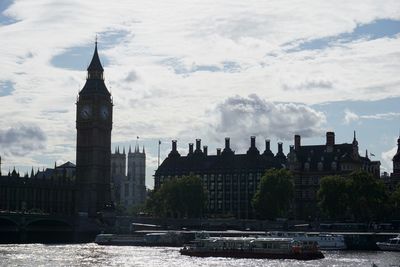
[198, 145]
[227, 143]
[330, 138]
[205, 150]
[267, 144]
[173, 145]
[252, 141]
[280, 147]
[218, 151]
[297, 142]
[190, 148]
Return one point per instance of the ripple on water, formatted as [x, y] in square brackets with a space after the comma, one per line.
[95, 255]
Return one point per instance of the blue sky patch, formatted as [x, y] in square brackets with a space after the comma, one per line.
[6, 88]
[376, 135]
[180, 68]
[110, 38]
[5, 20]
[377, 29]
[77, 58]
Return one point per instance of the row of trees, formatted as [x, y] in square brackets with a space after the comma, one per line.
[357, 196]
[178, 198]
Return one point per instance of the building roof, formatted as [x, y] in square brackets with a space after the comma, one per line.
[211, 163]
[67, 164]
[95, 82]
[95, 64]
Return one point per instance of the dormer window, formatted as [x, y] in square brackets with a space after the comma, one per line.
[307, 166]
[334, 166]
[320, 166]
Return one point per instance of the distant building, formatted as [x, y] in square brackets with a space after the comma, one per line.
[229, 179]
[51, 191]
[312, 162]
[128, 184]
[393, 180]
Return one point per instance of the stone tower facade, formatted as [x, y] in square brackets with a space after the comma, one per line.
[118, 173]
[93, 148]
[128, 183]
[137, 175]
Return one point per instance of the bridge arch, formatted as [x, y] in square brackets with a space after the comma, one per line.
[49, 231]
[7, 222]
[9, 231]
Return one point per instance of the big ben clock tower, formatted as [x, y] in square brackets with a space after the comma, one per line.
[93, 142]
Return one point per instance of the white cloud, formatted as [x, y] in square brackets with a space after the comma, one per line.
[387, 156]
[224, 48]
[350, 116]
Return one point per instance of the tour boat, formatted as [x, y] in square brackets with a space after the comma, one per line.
[325, 241]
[392, 245]
[252, 247]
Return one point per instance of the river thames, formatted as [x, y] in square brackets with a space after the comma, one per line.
[94, 255]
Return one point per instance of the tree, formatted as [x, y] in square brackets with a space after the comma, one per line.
[368, 197]
[395, 203]
[179, 197]
[274, 194]
[333, 199]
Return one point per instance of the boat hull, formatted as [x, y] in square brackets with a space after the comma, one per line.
[250, 254]
[388, 247]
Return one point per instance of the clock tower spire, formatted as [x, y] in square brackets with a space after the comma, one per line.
[93, 143]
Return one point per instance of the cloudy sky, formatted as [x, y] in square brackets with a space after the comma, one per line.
[200, 69]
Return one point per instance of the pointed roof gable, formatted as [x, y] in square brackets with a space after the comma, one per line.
[95, 80]
[95, 64]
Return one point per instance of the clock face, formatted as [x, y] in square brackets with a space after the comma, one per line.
[86, 112]
[104, 112]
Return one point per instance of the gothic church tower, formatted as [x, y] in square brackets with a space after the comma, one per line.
[137, 175]
[93, 143]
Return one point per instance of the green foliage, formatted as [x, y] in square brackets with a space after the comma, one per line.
[394, 201]
[333, 197]
[360, 195]
[368, 196]
[181, 197]
[274, 194]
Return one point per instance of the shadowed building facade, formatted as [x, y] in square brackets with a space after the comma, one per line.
[309, 163]
[394, 179]
[51, 191]
[93, 146]
[128, 180]
[229, 179]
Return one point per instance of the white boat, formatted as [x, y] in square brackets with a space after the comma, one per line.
[392, 245]
[325, 241]
[252, 247]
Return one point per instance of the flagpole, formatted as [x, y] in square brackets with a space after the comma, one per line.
[159, 144]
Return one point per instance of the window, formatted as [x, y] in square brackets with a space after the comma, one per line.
[334, 166]
[307, 166]
[320, 166]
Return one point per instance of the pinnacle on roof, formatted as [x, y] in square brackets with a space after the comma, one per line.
[95, 64]
[95, 80]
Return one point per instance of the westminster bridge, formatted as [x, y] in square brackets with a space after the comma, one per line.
[21, 227]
